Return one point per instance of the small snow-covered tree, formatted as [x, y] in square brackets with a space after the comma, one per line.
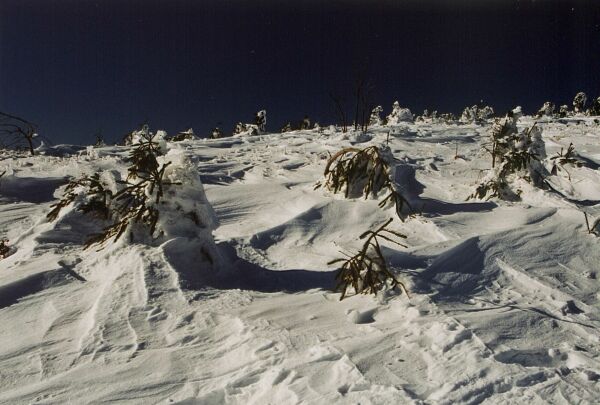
[563, 112]
[469, 114]
[161, 198]
[216, 133]
[366, 172]
[183, 135]
[245, 129]
[261, 120]
[513, 153]
[287, 127]
[448, 118]
[547, 110]
[399, 114]
[579, 102]
[595, 107]
[4, 249]
[305, 123]
[476, 114]
[485, 113]
[563, 159]
[375, 118]
[367, 272]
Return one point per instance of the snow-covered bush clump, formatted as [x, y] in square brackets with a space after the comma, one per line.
[259, 126]
[476, 114]
[216, 133]
[563, 111]
[366, 172]
[160, 198]
[245, 129]
[183, 136]
[399, 114]
[305, 123]
[595, 107]
[564, 158]
[287, 127]
[579, 102]
[513, 154]
[485, 113]
[375, 118]
[261, 120]
[4, 249]
[137, 136]
[547, 110]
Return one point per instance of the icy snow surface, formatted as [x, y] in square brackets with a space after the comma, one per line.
[504, 304]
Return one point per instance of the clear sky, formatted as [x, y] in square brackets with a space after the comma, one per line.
[76, 67]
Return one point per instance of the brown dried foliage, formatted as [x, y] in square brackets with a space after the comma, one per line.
[367, 271]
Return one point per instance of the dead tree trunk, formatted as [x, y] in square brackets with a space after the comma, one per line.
[17, 130]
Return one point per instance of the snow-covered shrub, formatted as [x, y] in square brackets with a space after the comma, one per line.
[563, 111]
[161, 197]
[547, 110]
[595, 107]
[476, 114]
[399, 114]
[183, 136]
[364, 172]
[245, 129]
[448, 118]
[375, 118]
[305, 123]
[217, 133]
[92, 194]
[560, 160]
[512, 153]
[367, 271]
[4, 249]
[99, 141]
[579, 102]
[286, 128]
[261, 120]
[137, 135]
[485, 113]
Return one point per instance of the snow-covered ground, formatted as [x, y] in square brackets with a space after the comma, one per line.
[504, 302]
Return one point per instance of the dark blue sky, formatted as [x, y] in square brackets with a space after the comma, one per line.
[75, 67]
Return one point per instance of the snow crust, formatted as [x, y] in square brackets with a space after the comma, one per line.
[504, 304]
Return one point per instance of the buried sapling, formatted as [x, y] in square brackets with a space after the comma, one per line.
[366, 271]
[364, 172]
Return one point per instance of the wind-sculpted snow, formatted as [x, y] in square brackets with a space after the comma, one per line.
[504, 296]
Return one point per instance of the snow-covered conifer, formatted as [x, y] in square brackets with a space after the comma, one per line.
[375, 118]
[595, 107]
[547, 110]
[287, 127]
[183, 135]
[261, 120]
[160, 199]
[579, 103]
[469, 114]
[305, 123]
[563, 111]
[217, 133]
[485, 113]
[399, 114]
